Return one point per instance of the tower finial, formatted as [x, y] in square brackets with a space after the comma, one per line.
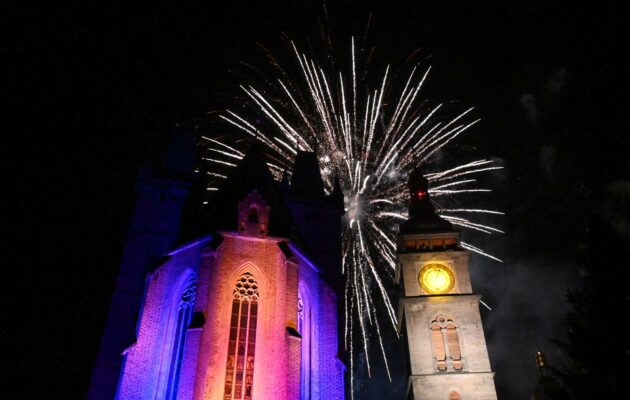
[418, 189]
[422, 216]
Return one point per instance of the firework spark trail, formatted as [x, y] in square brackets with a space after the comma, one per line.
[477, 250]
[370, 139]
[467, 224]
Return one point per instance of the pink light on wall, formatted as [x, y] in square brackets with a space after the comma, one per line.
[246, 299]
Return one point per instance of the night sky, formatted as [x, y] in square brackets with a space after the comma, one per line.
[96, 90]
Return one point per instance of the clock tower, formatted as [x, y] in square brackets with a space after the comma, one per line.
[438, 311]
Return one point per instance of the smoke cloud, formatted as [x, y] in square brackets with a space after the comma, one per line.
[528, 101]
[529, 304]
[616, 207]
[534, 104]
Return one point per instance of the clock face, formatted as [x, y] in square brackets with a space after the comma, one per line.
[436, 278]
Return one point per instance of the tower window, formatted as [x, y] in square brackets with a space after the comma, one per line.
[437, 343]
[252, 217]
[452, 340]
[305, 329]
[445, 344]
[239, 373]
[450, 243]
[437, 244]
[417, 245]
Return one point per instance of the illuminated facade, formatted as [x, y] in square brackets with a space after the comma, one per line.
[438, 312]
[247, 311]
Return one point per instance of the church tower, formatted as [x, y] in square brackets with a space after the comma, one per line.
[438, 311]
[162, 189]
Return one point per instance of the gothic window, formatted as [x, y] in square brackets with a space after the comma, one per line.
[300, 314]
[304, 327]
[445, 344]
[239, 374]
[184, 315]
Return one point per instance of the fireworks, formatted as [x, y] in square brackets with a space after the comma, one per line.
[370, 139]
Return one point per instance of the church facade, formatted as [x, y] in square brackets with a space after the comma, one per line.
[247, 310]
[249, 318]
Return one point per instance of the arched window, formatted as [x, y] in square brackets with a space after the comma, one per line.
[300, 314]
[304, 328]
[452, 340]
[184, 315]
[437, 342]
[445, 344]
[239, 373]
[252, 217]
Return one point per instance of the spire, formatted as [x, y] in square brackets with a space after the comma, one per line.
[422, 216]
[250, 174]
[306, 180]
[179, 158]
[336, 196]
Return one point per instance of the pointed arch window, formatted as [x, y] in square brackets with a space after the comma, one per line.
[184, 315]
[239, 374]
[305, 330]
[445, 344]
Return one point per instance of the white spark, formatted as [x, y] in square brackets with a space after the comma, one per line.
[370, 139]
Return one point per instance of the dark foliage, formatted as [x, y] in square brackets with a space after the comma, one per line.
[597, 341]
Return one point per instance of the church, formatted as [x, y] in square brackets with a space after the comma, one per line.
[243, 299]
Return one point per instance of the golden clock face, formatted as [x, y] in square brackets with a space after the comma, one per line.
[436, 278]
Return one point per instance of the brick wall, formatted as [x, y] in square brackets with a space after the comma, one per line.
[278, 349]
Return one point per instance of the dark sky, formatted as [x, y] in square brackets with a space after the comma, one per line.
[96, 88]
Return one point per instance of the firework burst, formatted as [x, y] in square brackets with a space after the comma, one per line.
[370, 139]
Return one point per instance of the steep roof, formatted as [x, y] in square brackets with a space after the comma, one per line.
[422, 216]
[250, 174]
[307, 180]
[307, 217]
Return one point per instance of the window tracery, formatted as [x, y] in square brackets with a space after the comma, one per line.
[239, 375]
